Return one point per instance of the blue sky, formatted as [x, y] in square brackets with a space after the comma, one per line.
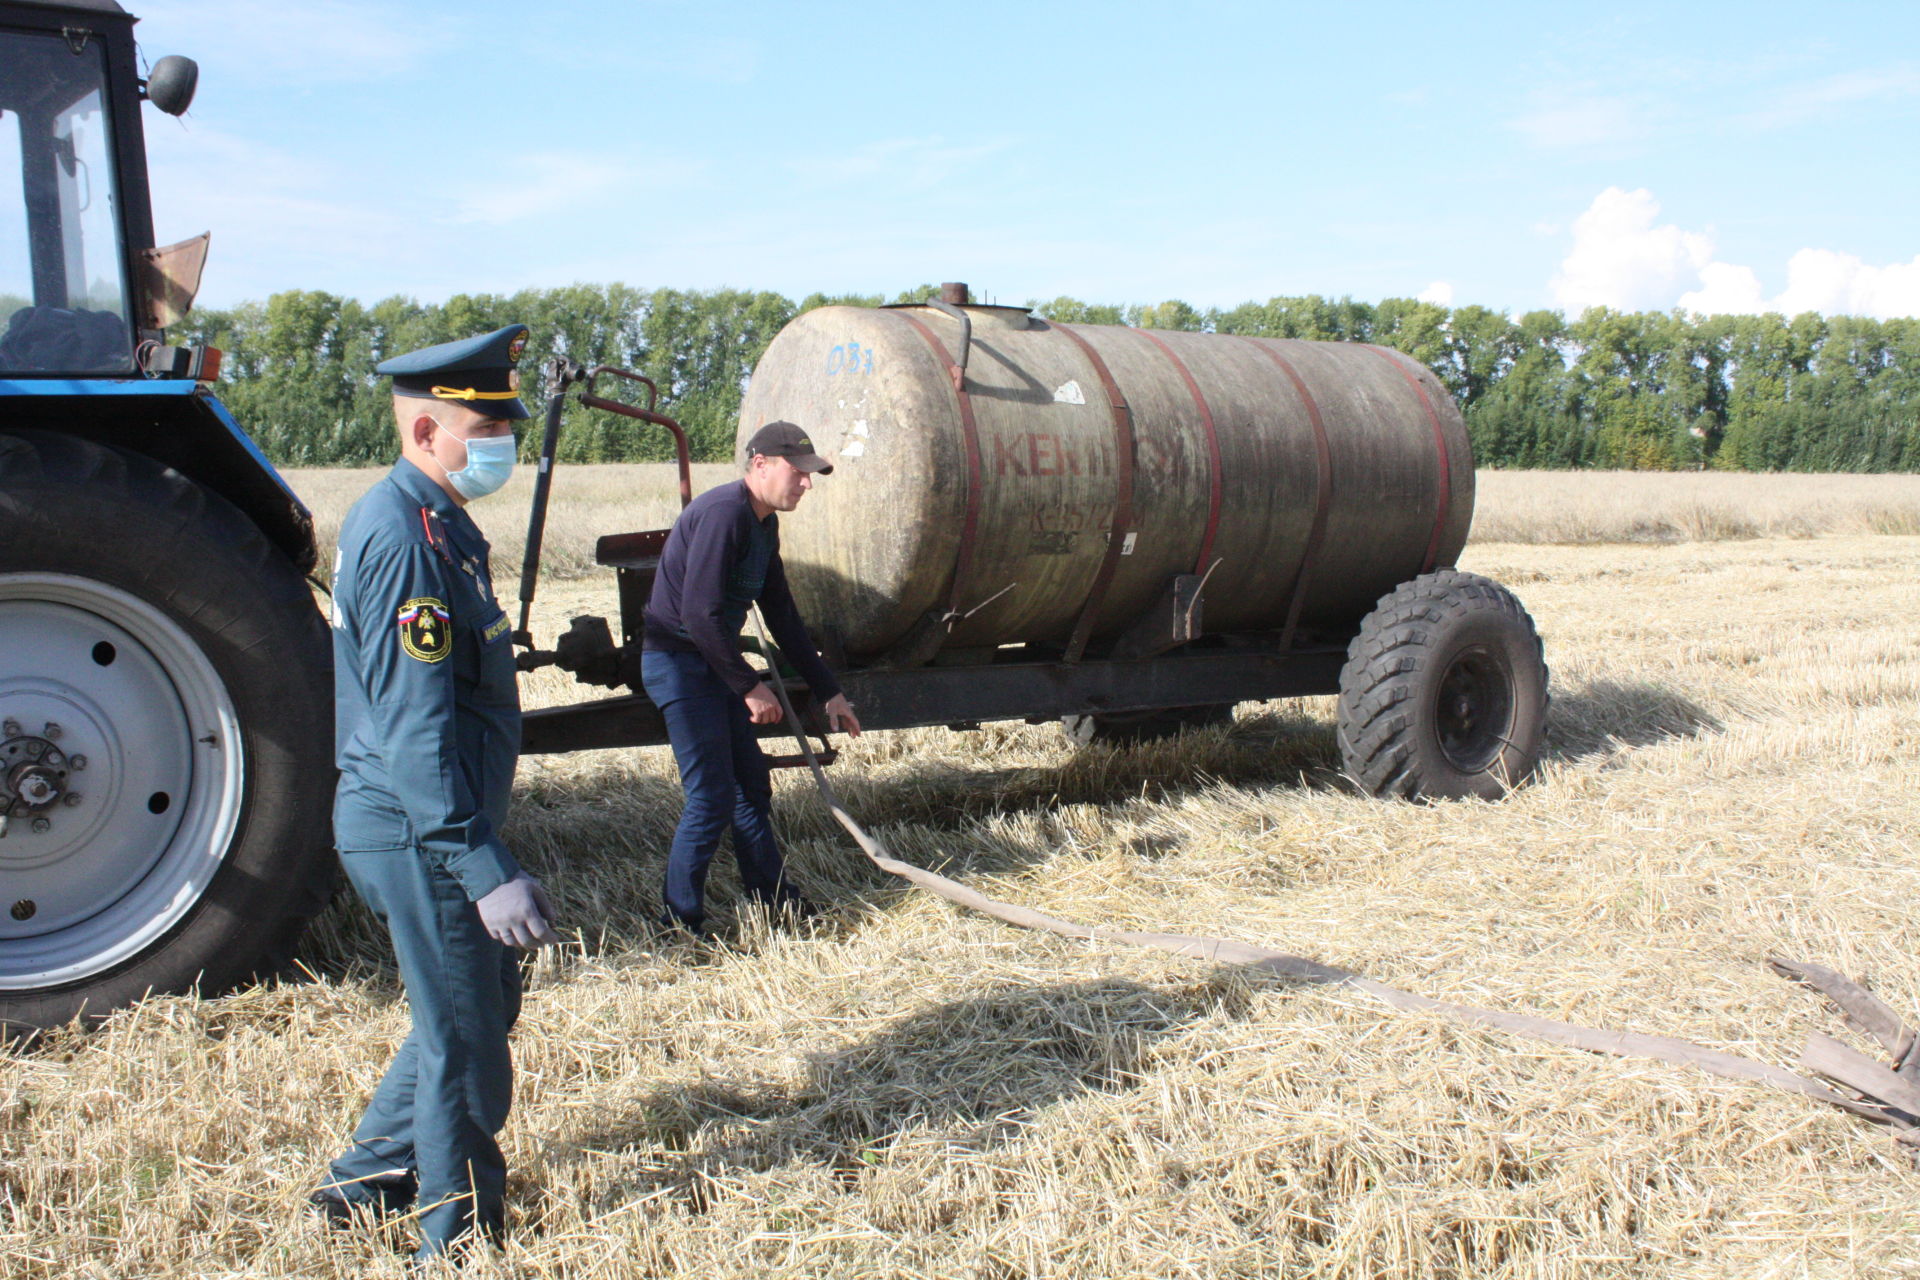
[1722, 157]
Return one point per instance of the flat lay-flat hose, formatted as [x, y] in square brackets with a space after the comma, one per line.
[1883, 1104]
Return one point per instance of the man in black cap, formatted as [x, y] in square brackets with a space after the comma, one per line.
[427, 732]
[722, 557]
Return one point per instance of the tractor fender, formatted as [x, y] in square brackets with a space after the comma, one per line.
[178, 424]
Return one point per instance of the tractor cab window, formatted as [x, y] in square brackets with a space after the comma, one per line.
[63, 288]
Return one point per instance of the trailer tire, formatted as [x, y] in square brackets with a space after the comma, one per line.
[1444, 692]
[1120, 727]
[183, 654]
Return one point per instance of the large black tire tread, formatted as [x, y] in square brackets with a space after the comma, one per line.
[75, 507]
[1393, 736]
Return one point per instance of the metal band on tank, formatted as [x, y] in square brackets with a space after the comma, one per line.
[1444, 498]
[1122, 500]
[969, 527]
[1205, 559]
[1323, 497]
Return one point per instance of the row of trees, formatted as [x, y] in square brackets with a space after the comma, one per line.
[1639, 390]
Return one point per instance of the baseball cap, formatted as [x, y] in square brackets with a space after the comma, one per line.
[785, 440]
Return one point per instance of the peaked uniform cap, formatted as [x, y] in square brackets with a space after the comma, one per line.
[477, 372]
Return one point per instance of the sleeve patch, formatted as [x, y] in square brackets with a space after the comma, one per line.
[426, 629]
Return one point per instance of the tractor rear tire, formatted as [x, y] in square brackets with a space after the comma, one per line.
[1444, 692]
[167, 683]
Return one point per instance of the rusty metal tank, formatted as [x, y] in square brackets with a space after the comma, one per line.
[1019, 480]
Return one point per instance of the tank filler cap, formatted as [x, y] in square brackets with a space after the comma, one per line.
[987, 315]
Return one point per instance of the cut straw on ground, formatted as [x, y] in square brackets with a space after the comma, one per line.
[912, 1090]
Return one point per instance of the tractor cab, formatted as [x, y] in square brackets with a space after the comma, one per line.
[81, 286]
[166, 754]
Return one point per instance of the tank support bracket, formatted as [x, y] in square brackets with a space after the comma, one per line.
[1171, 621]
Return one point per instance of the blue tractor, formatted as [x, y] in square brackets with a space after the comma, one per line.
[166, 764]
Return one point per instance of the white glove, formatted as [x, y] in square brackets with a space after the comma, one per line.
[517, 913]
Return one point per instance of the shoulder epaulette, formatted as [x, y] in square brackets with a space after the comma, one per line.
[436, 533]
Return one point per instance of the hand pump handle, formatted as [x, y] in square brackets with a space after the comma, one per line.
[561, 374]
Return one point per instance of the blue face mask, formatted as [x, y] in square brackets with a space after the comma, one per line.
[489, 463]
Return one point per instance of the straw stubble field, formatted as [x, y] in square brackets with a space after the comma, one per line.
[914, 1091]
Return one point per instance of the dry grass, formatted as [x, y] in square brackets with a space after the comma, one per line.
[587, 502]
[915, 1092]
[1642, 506]
[1570, 507]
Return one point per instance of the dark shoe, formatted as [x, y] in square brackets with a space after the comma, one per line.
[673, 924]
[793, 912]
[478, 1235]
[336, 1214]
[381, 1199]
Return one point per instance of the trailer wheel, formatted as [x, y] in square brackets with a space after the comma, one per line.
[1141, 726]
[1444, 693]
[166, 765]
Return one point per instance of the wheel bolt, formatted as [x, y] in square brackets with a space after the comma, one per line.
[41, 824]
[77, 762]
[11, 728]
[73, 799]
[51, 732]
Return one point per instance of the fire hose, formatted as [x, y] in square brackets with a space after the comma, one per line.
[1888, 1095]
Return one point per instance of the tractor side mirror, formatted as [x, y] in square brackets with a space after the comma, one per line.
[171, 84]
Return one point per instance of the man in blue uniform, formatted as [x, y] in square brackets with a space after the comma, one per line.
[427, 734]
[722, 556]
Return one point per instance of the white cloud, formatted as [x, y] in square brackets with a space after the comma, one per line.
[562, 182]
[722, 62]
[1823, 280]
[1439, 292]
[278, 221]
[1725, 290]
[313, 42]
[1622, 257]
[914, 163]
[1821, 97]
[1558, 120]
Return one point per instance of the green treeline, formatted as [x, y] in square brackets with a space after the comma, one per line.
[1639, 390]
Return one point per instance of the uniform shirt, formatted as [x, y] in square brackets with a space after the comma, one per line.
[719, 559]
[426, 708]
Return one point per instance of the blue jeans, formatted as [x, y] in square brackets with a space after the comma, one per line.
[726, 780]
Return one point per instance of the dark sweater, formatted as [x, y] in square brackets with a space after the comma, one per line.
[718, 560]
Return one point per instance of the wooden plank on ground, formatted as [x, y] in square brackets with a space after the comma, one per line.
[1865, 1011]
[1828, 1057]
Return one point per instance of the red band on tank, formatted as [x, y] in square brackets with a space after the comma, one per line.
[1122, 499]
[969, 527]
[1443, 499]
[1323, 497]
[1205, 558]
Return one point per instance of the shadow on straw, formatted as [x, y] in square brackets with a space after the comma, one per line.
[967, 1074]
[1264, 747]
[1605, 715]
